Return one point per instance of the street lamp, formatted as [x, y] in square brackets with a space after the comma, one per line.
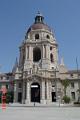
[78, 80]
[55, 70]
[0, 66]
[59, 98]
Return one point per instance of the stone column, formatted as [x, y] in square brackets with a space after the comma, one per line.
[28, 92]
[23, 93]
[30, 53]
[15, 92]
[47, 50]
[56, 89]
[47, 91]
[27, 52]
[43, 52]
[43, 101]
[50, 91]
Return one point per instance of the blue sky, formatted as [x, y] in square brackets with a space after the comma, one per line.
[63, 16]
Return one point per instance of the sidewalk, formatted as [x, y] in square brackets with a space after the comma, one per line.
[55, 104]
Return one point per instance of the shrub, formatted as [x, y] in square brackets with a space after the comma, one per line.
[77, 103]
[0, 97]
[66, 99]
[9, 97]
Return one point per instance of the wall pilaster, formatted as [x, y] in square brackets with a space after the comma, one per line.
[15, 92]
[28, 92]
[23, 93]
[43, 101]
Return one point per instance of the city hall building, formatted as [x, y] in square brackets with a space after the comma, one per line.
[38, 73]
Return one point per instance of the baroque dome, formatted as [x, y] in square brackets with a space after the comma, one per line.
[39, 24]
[36, 26]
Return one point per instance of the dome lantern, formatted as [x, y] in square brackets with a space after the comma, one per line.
[39, 18]
[39, 24]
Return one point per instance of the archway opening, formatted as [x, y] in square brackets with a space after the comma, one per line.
[37, 36]
[36, 54]
[51, 57]
[35, 92]
[53, 97]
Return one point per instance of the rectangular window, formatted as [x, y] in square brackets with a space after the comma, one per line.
[72, 85]
[6, 86]
[20, 85]
[71, 75]
[73, 95]
[27, 52]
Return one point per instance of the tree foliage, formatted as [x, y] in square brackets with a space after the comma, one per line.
[65, 84]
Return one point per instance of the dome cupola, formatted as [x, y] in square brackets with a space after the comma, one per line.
[39, 24]
[39, 18]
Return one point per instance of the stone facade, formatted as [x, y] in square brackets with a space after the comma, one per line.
[6, 84]
[38, 74]
[6, 79]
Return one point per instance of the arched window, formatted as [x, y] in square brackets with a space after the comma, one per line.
[27, 52]
[50, 47]
[51, 57]
[36, 54]
[47, 36]
[36, 36]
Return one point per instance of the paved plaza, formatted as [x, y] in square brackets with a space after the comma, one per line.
[40, 113]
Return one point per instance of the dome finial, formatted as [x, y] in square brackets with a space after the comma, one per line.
[39, 18]
[39, 13]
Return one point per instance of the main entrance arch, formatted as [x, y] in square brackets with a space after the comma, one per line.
[35, 92]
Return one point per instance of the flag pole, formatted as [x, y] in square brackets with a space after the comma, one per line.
[77, 67]
[78, 79]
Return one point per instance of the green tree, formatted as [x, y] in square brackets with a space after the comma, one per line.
[65, 84]
[78, 95]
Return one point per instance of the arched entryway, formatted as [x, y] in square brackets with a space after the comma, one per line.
[35, 92]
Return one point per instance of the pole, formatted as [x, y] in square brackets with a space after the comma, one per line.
[34, 99]
[0, 67]
[55, 85]
[78, 78]
[77, 67]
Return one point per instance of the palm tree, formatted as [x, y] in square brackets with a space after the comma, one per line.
[65, 83]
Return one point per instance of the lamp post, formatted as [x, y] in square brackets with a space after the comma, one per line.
[58, 92]
[0, 66]
[59, 98]
[55, 83]
[34, 99]
[78, 80]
